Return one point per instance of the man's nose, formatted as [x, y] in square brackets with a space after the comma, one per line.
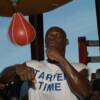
[52, 37]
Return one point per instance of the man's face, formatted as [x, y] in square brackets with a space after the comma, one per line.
[56, 39]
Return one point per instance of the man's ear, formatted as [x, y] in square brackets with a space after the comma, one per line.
[46, 51]
[66, 41]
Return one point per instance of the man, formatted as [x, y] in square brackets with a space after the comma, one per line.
[56, 78]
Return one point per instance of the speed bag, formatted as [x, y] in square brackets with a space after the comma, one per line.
[21, 32]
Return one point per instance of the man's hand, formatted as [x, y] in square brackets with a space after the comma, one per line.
[25, 73]
[54, 55]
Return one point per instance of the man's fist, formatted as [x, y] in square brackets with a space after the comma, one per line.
[25, 73]
[54, 55]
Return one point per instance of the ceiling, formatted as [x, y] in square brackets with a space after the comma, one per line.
[28, 7]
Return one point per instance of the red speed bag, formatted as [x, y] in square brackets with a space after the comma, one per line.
[21, 32]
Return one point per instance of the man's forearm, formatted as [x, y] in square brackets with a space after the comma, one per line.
[78, 84]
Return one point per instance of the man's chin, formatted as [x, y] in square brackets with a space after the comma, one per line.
[52, 47]
[52, 61]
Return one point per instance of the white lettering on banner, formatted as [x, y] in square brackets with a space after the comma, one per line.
[48, 81]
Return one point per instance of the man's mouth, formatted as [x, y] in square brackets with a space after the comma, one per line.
[52, 45]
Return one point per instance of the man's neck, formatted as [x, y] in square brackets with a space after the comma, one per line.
[52, 62]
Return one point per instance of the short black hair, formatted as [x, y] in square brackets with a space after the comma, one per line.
[56, 28]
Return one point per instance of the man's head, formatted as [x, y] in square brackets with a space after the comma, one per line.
[56, 38]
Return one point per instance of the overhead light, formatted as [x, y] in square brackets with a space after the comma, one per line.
[14, 2]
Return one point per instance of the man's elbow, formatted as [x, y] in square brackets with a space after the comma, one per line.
[85, 95]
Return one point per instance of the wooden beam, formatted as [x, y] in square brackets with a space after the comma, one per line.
[92, 42]
[97, 3]
[94, 59]
[37, 46]
[83, 54]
